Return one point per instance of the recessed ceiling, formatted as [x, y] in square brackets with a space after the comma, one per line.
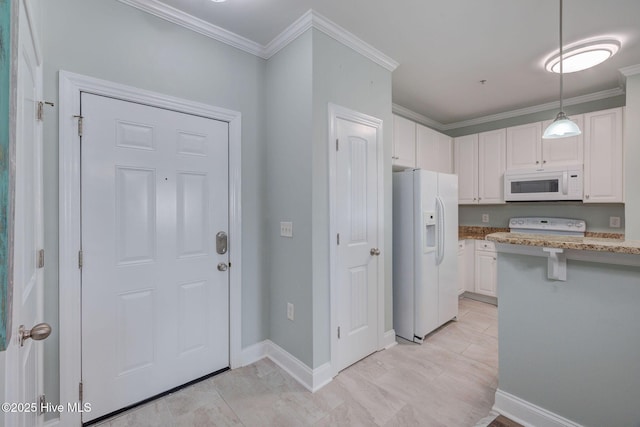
[446, 48]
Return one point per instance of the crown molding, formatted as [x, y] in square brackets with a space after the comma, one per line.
[596, 96]
[176, 16]
[308, 20]
[631, 70]
[416, 117]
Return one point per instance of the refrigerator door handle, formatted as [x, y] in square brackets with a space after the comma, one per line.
[440, 213]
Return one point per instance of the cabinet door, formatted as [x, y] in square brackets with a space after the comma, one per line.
[427, 149]
[603, 174]
[470, 265]
[564, 151]
[445, 151]
[523, 146]
[461, 268]
[404, 142]
[486, 273]
[491, 166]
[433, 150]
[466, 167]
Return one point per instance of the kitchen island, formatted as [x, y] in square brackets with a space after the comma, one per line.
[569, 330]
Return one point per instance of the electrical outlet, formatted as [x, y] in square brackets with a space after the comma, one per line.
[286, 229]
[485, 217]
[614, 221]
[290, 311]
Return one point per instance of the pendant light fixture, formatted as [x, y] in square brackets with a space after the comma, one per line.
[562, 126]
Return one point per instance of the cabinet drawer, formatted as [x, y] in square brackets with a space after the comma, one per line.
[485, 245]
[460, 245]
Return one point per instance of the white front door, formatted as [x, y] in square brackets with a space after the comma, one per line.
[356, 216]
[24, 359]
[155, 289]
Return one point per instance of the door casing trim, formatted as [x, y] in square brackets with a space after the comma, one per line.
[71, 85]
[337, 112]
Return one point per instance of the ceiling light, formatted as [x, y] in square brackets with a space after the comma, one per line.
[583, 55]
[218, 1]
[562, 126]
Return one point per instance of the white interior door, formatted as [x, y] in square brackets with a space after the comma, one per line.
[155, 293]
[357, 224]
[24, 359]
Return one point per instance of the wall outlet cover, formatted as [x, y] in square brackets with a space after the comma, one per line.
[614, 221]
[290, 313]
[485, 217]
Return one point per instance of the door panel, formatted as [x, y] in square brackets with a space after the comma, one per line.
[155, 311]
[357, 219]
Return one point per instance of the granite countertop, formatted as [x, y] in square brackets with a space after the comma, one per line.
[588, 243]
[473, 232]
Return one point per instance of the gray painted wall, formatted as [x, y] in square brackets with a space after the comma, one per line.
[571, 347]
[288, 195]
[109, 40]
[632, 157]
[346, 78]
[596, 215]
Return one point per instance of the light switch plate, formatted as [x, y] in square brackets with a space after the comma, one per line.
[286, 229]
[290, 312]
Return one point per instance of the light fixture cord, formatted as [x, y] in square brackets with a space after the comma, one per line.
[561, 58]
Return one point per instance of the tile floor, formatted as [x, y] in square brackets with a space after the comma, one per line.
[450, 380]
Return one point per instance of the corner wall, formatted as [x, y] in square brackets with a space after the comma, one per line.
[346, 78]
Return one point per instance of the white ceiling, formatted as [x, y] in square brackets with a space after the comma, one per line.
[445, 48]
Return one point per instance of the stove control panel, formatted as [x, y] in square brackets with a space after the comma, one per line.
[541, 225]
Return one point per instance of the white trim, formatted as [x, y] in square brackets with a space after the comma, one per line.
[190, 22]
[254, 352]
[528, 414]
[409, 114]
[71, 85]
[389, 339]
[311, 379]
[337, 112]
[631, 70]
[299, 26]
[343, 36]
[33, 29]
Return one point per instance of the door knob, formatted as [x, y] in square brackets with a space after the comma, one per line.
[374, 251]
[37, 333]
[222, 266]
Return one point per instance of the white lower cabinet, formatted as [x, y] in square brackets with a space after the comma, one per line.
[486, 268]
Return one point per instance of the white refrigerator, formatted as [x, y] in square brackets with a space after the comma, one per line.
[425, 252]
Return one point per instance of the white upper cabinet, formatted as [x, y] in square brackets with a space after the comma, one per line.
[524, 146]
[433, 150]
[603, 157]
[526, 149]
[491, 166]
[466, 167]
[404, 142]
[564, 151]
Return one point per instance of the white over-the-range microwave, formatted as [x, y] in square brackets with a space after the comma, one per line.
[532, 185]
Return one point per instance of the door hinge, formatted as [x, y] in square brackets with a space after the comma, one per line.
[80, 391]
[42, 404]
[337, 144]
[40, 110]
[41, 258]
[338, 238]
[80, 124]
[80, 260]
[338, 332]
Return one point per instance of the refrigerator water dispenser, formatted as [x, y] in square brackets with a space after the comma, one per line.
[429, 227]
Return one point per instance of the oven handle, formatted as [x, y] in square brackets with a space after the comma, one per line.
[565, 183]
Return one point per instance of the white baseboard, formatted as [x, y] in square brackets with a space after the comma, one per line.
[528, 414]
[389, 339]
[311, 379]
